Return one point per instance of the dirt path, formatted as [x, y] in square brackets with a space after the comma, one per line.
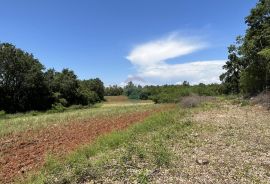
[23, 152]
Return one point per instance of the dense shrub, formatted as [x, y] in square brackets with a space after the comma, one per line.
[171, 93]
[88, 97]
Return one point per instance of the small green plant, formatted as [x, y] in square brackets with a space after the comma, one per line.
[245, 103]
[162, 156]
[143, 177]
[57, 107]
[34, 113]
[2, 113]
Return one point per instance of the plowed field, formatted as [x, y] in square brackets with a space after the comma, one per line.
[22, 152]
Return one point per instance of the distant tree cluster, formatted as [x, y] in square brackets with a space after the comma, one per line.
[170, 93]
[113, 90]
[248, 65]
[25, 84]
[133, 91]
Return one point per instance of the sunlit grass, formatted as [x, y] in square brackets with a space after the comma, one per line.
[121, 146]
[21, 122]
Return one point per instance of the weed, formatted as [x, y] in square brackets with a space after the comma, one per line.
[194, 100]
[162, 155]
[143, 177]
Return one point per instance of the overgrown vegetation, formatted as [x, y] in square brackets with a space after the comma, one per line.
[195, 100]
[248, 67]
[26, 86]
[171, 93]
[114, 91]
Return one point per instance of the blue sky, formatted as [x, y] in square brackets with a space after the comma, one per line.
[148, 41]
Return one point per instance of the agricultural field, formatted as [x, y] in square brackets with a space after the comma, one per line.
[27, 139]
[135, 92]
[124, 101]
[217, 141]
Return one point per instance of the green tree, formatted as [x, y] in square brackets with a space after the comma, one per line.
[255, 48]
[95, 85]
[129, 88]
[185, 83]
[133, 91]
[22, 84]
[233, 67]
[63, 86]
[248, 68]
[113, 90]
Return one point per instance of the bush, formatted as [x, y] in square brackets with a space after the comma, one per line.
[2, 113]
[194, 100]
[57, 107]
[165, 98]
[88, 97]
[262, 99]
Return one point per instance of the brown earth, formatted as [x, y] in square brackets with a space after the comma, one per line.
[26, 151]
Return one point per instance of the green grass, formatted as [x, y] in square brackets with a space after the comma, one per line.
[79, 165]
[145, 142]
[35, 120]
[165, 148]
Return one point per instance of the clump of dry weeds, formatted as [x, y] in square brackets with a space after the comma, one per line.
[195, 100]
[262, 99]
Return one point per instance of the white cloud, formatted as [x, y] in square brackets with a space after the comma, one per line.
[156, 52]
[150, 58]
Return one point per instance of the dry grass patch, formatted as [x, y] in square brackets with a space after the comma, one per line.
[195, 100]
[262, 99]
[220, 143]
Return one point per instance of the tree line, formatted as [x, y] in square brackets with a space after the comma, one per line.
[114, 90]
[248, 65]
[26, 85]
[170, 93]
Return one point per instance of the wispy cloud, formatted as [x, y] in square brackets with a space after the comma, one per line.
[157, 51]
[150, 59]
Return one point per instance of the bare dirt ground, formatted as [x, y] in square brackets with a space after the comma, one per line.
[26, 151]
[235, 143]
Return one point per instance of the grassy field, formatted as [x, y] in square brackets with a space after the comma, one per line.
[218, 142]
[26, 139]
[123, 101]
[33, 120]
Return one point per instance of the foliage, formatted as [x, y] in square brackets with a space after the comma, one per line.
[95, 85]
[25, 86]
[248, 68]
[91, 91]
[231, 78]
[63, 85]
[170, 93]
[113, 90]
[22, 84]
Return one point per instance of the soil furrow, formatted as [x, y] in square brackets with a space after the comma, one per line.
[26, 151]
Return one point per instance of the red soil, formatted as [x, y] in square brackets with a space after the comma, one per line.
[26, 151]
